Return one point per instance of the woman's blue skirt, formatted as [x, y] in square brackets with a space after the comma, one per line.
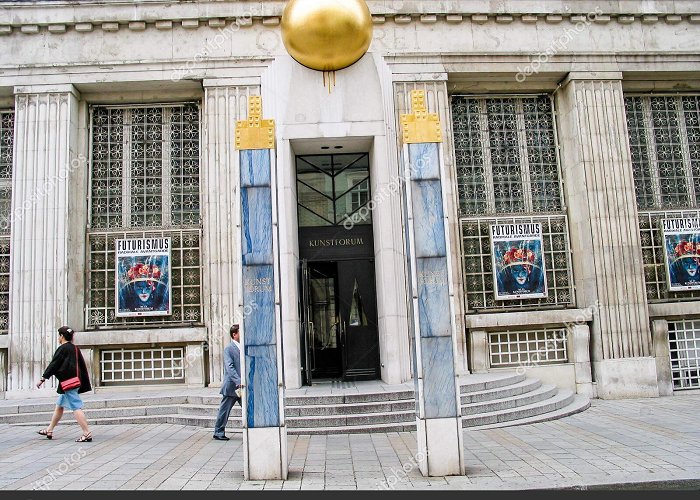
[70, 400]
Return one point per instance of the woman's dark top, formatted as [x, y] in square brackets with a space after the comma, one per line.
[62, 366]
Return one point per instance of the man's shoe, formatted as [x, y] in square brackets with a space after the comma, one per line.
[220, 438]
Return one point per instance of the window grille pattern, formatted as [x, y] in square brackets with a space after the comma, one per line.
[145, 166]
[654, 256]
[7, 128]
[186, 279]
[7, 138]
[156, 365]
[664, 134]
[144, 182]
[530, 348]
[684, 347]
[506, 155]
[4, 285]
[478, 266]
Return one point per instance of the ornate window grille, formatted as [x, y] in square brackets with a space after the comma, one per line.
[664, 135]
[156, 365]
[526, 349]
[684, 348]
[477, 263]
[7, 129]
[506, 155]
[508, 171]
[144, 181]
[654, 257]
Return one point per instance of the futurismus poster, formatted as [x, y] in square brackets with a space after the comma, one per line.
[518, 263]
[143, 277]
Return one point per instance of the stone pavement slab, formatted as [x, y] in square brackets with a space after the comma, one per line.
[631, 444]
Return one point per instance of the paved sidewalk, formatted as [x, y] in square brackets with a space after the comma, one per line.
[642, 443]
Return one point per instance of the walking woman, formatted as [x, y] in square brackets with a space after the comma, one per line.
[66, 364]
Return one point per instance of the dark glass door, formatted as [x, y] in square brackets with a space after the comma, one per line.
[359, 335]
[339, 321]
[323, 348]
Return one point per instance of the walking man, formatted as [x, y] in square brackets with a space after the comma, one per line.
[231, 382]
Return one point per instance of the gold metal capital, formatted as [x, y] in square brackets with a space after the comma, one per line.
[420, 126]
[255, 133]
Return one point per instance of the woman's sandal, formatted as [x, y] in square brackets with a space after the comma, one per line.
[85, 438]
[45, 432]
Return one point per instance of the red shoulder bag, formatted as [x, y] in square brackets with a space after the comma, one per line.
[74, 382]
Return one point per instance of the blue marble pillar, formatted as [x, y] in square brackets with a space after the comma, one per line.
[429, 265]
[257, 260]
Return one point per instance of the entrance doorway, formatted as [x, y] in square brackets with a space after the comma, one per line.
[339, 318]
[338, 306]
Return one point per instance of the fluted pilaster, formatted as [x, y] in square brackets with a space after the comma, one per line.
[44, 156]
[603, 213]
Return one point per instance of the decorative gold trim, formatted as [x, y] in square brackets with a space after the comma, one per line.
[420, 126]
[255, 133]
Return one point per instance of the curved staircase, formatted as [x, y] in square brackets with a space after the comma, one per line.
[489, 400]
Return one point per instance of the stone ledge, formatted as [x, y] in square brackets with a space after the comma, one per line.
[523, 320]
[399, 18]
[108, 338]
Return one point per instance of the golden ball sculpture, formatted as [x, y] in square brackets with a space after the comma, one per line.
[326, 35]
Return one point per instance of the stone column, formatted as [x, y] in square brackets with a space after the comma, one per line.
[262, 373]
[438, 417]
[580, 356]
[194, 365]
[3, 369]
[608, 266]
[479, 351]
[44, 157]
[225, 102]
[662, 353]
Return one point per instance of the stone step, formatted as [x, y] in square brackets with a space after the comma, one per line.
[365, 397]
[489, 382]
[526, 385]
[312, 410]
[93, 404]
[100, 413]
[352, 408]
[579, 404]
[352, 429]
[200, 410]
[540, 394]
[361, 419]
[562, 398]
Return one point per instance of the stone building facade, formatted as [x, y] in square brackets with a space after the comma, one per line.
[117, 121]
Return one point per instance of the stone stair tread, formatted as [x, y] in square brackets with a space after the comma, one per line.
[69, 415]
[355, 429]
[494, 391]
[363, 403]
[541, 390]
[579, 404]
[559, 398]
[480, 382]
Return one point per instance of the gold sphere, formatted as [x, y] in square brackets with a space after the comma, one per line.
[326, 35]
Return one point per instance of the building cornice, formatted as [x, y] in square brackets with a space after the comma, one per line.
[36, 17]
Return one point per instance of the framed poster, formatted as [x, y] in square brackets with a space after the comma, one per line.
[143, 277]
[682, 243]
[518, 263]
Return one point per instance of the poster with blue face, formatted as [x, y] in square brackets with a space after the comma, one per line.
[518, 263]
[682, 243]
[143, 277]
